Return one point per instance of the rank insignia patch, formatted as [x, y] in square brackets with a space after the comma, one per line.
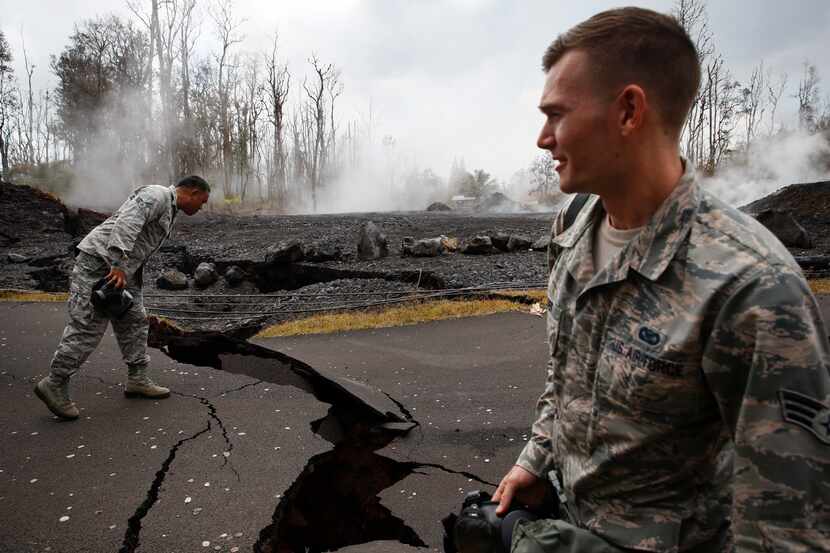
[806, 412]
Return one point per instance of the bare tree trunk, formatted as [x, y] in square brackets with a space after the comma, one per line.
[222, 14]
[316, 107]
[279, 81]
[753, 103]
[774, 93]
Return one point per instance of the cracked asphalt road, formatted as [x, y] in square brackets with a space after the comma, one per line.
[223, 449]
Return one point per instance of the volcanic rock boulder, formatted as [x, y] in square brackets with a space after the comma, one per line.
[407, 243]
[450, 244]
[518, 242]
[289, 251]
[426, 247]
[500, 240]
[541, 244]
[205, 275]
[319, 251]
[785, 227]
[438, 206]
[371, 243]
[234, 276]
[171, 279]
[477, 245]
[17, 258]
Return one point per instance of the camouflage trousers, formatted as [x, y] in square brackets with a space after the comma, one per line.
[86, 327]
[548, 535]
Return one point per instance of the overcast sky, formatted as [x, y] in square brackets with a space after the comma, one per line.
[445, 78]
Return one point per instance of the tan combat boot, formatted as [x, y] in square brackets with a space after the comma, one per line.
[140, 385]
[54, 392]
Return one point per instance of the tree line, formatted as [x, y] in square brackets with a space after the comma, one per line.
[136, 89]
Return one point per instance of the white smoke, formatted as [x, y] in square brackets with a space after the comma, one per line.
[771, 163]
[114, 163]
[380, 180]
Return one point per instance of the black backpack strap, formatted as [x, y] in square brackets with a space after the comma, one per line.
[568, 219]
[573, 210]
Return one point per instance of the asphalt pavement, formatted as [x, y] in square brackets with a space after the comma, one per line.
[205, 469]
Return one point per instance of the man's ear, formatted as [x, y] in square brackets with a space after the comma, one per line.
[632, 104]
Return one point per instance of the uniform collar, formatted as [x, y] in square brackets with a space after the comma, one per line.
[666, 232]
[650, 252]
[172, 190]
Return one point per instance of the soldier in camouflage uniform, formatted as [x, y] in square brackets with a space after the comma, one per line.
[687, 399]
[117, 249]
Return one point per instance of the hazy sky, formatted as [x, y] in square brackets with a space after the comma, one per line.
[445, 78]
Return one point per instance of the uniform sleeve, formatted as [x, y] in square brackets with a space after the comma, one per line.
[766, 363]
[140, 207]
[537, 455]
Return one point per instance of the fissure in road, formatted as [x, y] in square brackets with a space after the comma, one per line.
[334, 502]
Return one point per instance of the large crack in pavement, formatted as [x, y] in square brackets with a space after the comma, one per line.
[334, 502]
[133, 532]
[134, 524]
[212, 413]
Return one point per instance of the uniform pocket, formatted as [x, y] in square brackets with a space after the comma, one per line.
[646, 382]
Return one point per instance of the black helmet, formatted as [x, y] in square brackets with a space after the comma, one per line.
[110, 301]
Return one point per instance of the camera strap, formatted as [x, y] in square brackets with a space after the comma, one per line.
[556, 481]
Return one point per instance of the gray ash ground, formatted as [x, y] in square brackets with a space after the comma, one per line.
[38, 233]
[244, 241]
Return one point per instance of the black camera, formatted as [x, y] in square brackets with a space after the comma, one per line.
[477, 528]
[110, 301]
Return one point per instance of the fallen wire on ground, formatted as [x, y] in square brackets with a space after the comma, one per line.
[281, 303]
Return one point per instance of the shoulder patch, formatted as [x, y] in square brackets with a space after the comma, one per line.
[806, 412]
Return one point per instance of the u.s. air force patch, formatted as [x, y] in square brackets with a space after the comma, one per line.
[806, 412]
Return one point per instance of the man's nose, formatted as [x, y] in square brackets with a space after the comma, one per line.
[546, 139]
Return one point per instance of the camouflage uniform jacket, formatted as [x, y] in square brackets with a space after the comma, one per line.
[687, 390]
[136, 230]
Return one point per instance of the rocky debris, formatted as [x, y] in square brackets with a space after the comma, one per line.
[438, 206]
[317, 252]
[17, 258]
[785, 227]
[809, 204]
[234, 276]
[205, 275]
[228, 240]
[371, 243]
[500, 240]
[54, 278]
[81, 222]
[289, 251]
[477, 245]
[450, 244]
[27, 214]
[541, 244]
[171, 279]
[426, 247]
[518, 242]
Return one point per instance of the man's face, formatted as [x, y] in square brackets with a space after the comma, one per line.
[190, 200]
[579, 128]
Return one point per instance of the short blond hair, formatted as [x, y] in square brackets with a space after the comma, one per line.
[638, 46]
